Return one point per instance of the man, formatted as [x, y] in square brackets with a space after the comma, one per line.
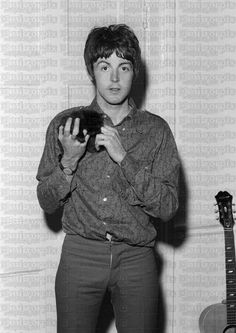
[108, 196]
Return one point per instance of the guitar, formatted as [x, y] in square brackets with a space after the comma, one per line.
[221, 317]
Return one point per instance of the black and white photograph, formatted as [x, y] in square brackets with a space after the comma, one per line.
[117, 166]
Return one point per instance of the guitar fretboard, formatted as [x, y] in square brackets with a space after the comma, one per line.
[230, 275]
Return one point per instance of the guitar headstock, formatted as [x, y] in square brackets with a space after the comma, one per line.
[224, 202]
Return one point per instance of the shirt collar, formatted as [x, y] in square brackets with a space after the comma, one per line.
[94, 106]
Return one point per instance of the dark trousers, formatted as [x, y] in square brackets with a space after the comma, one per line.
[89, 268]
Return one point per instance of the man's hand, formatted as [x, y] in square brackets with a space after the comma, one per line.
[110, 139]
[73, 149]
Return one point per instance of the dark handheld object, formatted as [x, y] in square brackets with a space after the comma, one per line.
[90, 120]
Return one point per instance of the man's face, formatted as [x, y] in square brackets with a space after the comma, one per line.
[113, 80]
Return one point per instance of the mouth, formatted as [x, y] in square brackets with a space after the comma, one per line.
[114, 89]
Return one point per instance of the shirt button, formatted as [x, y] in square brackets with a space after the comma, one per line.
[123, 129]
[108, 176]
[104, 199]
[104, 223]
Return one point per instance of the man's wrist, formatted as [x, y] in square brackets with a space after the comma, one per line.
[68, 166]
[67, 170]
[121, 159]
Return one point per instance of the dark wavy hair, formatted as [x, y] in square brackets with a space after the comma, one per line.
[103, 41]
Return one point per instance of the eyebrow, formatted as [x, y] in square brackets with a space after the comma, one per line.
[125, 62]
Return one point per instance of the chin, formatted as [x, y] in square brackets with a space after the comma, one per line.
[116, 100]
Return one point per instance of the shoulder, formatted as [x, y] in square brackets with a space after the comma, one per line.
[152, 121]
[157, 129]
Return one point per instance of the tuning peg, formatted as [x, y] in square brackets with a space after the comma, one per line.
[216, 211]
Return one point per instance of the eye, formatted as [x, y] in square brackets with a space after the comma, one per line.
[125, 68]
[104, 68]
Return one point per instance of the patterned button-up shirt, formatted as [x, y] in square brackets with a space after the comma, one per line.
[106, 197]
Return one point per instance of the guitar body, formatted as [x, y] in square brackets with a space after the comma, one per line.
[221, 317]
[213, 319]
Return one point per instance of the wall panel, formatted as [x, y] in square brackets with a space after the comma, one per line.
[188, 78]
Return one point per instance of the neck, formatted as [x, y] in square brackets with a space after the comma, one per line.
[116, 112]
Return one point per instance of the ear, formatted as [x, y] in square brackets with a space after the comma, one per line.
[92, 79]
[90, 76]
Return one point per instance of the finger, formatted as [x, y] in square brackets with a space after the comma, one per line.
[103, 142]
[86, 137]
[99, 141]
[106, 129]
[97, 146]
[96, 143]
[76, 127]
[61, 130]
[67, 126]
[109, 130]
[100, 137]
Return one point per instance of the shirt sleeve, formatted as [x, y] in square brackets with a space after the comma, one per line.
[153, 184]
[53, 189]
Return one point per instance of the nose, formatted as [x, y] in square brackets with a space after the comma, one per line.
[114, 75]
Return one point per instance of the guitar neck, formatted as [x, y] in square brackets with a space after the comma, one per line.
[230, 268]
